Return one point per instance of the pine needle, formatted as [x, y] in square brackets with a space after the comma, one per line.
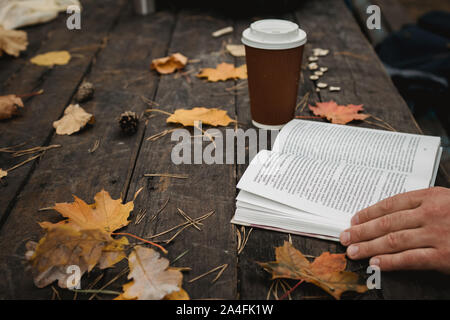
[188, 218]
[167, 175]
[223, 267]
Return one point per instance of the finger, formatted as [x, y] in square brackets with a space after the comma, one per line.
[402, 220]
[416, 259]
[404, 201]
[390, 243]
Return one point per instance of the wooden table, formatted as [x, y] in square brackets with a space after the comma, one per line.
[113, 50]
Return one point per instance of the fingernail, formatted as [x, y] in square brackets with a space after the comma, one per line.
[345, 238]
[374, 262]
[352, 250]
[355, 220]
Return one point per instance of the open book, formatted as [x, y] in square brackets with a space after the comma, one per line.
[318, 175]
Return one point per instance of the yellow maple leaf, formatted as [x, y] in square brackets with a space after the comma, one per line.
[63, 247]
[210, 116]
[153, 279]
[223, 72]
[169, 64]
[105, 214]
[52, 58]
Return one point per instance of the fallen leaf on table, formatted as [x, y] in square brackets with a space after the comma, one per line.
[214, 117]
[169, 64]
[339, 114]
[223, 72]
[63, 247]
[153, 279]
[327, 271]
[237, 50]
[12, 42]
[74, 119]
[3, 173]
[9, 106]
[52, 58]
[105, 214]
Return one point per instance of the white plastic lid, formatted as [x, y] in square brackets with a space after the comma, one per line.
[273, 34]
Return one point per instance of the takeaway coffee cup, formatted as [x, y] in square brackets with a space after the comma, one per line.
[274, 51]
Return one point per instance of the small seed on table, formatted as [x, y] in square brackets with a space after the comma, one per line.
[314, 77]
[317, 90]
[318, 73]
[313, 59]
[335, 89]
[324, 69]
[313, 66]
[322, 85]
[318, 52]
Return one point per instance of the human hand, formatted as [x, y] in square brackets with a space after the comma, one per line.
[407, 231]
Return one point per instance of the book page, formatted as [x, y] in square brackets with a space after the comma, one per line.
[334, 190]
[401, 152]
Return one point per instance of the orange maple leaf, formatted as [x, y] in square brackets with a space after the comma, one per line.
[339, 114]
[105, 214]
[223, 72]
[327, 271]
[210, 116]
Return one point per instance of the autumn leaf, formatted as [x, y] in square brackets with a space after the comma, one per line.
[169, 64]
[210, 116]
[12, 42]
[52, 58]
[339, 114]
[9, 106]
[64, 246]
[3, 173]
[153, 279]
[105, 214]
[327, 271]
[74, 119]
[223, 72]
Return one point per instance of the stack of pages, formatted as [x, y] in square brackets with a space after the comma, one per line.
[318, 175]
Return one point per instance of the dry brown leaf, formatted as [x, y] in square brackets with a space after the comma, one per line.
[210, 116]
[3, 173]
[105, 214]
[52, 58]
[223, 72]
[327, 271]
[64, 246]
[169, 64]
[74, 119]
[12, 42]
[153, 279]
[9, 106]
[339, 114]
[236, 50]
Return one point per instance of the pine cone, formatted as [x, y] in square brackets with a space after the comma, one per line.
[129, 122]
[85, 92]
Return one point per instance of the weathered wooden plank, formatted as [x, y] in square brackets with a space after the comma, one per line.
[355, 67]
[208, 187]
[34, 126]
[72, 169]
[253, 281]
